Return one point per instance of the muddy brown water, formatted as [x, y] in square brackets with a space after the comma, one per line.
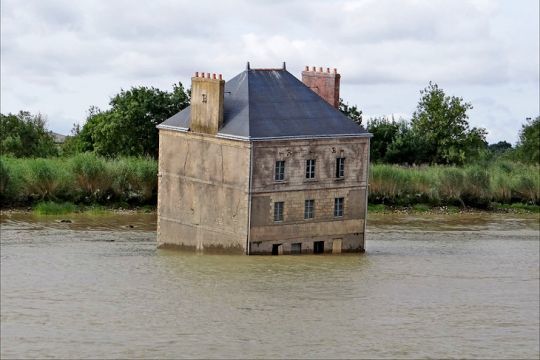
[451, 286]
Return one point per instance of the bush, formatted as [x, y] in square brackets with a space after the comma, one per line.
[477, 189]
[45, 179]
[52, 208]
[135, 179]
[92, 178]
[451, 184]
[474, 185]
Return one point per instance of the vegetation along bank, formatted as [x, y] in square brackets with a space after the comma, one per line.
[436, 159]
[88, 179]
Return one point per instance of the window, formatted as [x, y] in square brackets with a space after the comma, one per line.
[340, 167]
[296, 248]
[310, 169]
[338, 207]
[309, 209]
[278, 211]
[280, 170]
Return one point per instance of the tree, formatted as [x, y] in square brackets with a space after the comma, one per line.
[384, 133]
[500, 147]
[26, 135]
[73, 143]
[528, 147]
[129, 127]
[352, 112]
[407, 148]
[440, 121]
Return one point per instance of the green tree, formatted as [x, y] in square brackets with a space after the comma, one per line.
[384, 133]
[407, 148]
[352, 112]
[26, 135]
[500, 147]
[528, 147]
[128, 128]
[441, 122]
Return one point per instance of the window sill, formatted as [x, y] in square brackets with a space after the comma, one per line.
[281, 182]
[339, 179]
[310, 180]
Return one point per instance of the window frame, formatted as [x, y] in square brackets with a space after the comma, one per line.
[340, 167]
[279, 210]
[309, 209]
[311, 169]
[279, 171]
[339, 206]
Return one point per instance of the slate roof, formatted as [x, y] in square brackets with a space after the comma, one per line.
[272, 103]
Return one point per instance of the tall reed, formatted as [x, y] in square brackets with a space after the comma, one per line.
[472, 185]
[86, 178]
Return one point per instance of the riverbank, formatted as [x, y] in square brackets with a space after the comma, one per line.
[516, 208]
[66, 208]
[89, 181]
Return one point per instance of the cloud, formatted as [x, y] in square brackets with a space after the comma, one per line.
[88, 50]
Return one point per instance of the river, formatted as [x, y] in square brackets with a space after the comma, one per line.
[452, 286]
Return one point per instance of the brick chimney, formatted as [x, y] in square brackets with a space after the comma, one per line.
[324, 82]
[206, 103]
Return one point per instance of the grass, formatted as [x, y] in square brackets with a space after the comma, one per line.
[517, 208]
[53, 208]
[421, 208]
[473, 186]
[376, 208]
[82, 179]
[94, 182]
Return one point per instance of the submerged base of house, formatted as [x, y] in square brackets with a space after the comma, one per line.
[174, 235]
[351, 243]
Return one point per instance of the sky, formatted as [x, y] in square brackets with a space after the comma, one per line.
[59, 57]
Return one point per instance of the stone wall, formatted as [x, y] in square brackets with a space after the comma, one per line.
[203, 192]
[295, 189]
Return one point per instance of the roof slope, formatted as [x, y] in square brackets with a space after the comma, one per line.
[273, 103]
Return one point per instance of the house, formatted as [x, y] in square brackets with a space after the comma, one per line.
[263, 164]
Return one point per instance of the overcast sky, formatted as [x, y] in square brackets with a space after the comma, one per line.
[60, 57]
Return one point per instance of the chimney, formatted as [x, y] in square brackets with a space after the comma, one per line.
[207, 103]
[324, 83]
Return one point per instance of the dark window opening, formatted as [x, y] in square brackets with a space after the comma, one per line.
[278, 211]
[309, 209]
[296, 248]
[280, 170]
[338, 207]
[340, 167]
[310, 169]
[277, 249]
[318, 247]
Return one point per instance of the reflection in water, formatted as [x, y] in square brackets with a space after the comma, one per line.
[98, 287]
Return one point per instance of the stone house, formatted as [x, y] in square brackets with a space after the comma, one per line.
[263, 164]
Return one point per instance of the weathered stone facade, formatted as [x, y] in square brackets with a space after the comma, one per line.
[296, 188]
[203, 192]
[218, 189]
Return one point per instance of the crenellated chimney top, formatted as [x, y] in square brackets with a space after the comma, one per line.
[324, 83]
